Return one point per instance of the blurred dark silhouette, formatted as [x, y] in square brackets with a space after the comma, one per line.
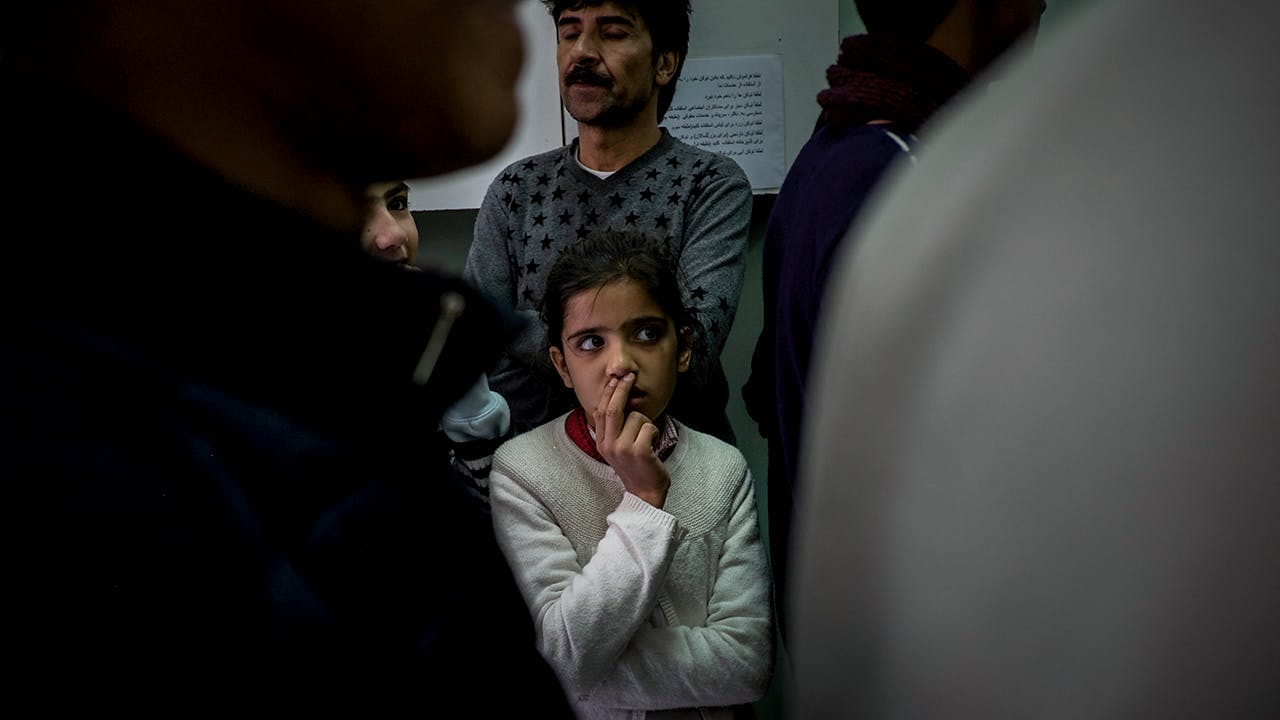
[1041, 466]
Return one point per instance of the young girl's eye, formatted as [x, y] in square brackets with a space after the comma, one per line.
[398, 203]
[590, 342]
[649, 333]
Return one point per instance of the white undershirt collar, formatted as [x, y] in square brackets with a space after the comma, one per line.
[602, 174]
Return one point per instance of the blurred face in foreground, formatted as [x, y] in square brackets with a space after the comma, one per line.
[384, 88]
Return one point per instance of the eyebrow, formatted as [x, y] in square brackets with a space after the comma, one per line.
[630, 322]
[648, 320]
[603, 20]
[584, 331]
[399, 188]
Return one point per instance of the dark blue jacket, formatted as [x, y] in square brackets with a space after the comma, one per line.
[825, 188]
[224, 490]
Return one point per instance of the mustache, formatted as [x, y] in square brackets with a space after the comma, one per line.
[586, 76]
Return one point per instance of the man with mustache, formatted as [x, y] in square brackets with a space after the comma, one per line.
[618, 63]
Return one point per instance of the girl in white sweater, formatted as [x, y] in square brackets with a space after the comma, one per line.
[633, 538]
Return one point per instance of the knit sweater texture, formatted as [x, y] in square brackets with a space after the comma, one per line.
[698, 202]
[641, 611]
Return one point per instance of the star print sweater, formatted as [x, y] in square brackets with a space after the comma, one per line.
[697, 201]
[641, 611]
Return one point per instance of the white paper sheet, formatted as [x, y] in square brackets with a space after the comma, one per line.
[734, 106]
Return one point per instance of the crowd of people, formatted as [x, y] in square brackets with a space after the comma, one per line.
[1017, 370]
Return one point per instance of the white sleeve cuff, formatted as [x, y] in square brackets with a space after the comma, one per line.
[480, 414]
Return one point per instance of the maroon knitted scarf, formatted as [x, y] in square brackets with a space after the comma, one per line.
[576, 427]
[878, 77]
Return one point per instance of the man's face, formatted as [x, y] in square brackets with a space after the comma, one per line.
[607, 71]
[384, 88]
[387, 229]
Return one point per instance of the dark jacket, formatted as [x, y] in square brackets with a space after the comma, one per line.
[829, 182]
[226, 488]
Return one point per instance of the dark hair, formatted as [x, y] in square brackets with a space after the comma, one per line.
[609, 257]
[668, 24]
[913, 20]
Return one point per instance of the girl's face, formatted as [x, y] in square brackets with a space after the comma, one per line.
[615, 329]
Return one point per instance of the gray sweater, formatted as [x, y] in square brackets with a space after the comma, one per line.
[697, 201]
[638, 608]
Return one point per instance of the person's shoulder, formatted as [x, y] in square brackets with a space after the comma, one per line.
[530, 166]
[716, 177]
[540, 442]
[886, 135]
[708, 475]
[710, 445]
[712, 163]
[863, 144]
[517, 443]
[546, 157]
[840, 165]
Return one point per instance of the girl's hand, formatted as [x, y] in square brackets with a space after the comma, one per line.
[625, 440]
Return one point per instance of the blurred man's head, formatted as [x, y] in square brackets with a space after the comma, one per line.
[359, 90]
[402, 89]
[905, 19]
[972, 32]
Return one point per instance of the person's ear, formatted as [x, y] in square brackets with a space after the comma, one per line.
[668, 63]
[686, 349]
[557, 359]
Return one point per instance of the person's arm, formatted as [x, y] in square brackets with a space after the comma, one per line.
[760, 390]
[475, 426]
[584, 615]
[727, 662]
[714, 255]
[488, 268]
[491, 266]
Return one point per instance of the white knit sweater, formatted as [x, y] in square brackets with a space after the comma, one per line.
[639, 609]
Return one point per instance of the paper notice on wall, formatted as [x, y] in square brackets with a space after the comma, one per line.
[733, 106]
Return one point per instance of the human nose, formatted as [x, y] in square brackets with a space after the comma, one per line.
[585, 50]
[622, 361]
[389, 237]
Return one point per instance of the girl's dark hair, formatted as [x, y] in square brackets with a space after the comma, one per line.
[668, 24]
[609, 257]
